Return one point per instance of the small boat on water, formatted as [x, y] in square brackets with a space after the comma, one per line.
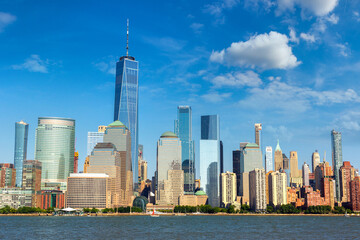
[153, 214]
[346, 214]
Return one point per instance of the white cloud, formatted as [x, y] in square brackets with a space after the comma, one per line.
[6, 19]
[343, 49]
[106, 67]
[197, 27]
[216, 9]
[316, 7]
[237, 80]
[293, 37]
[215, 97]
[307, 37]
[33, 64]
[356, 16]
[166, 44]
[349, 121]
[264, 51]
[332, 19]
[272, 78]
[284, 97]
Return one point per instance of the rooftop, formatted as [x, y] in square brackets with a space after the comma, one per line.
[200, 193]
[117, 123]
[168, 134]
[104, 145]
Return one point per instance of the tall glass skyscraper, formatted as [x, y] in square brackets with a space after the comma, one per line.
[183, 129]
[54, 148]
[337, 160]
[94, 138]
[126, 102]
[20, 151]
[210, 158]
[269, 159]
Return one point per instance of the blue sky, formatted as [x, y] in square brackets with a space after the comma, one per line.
[290, 64]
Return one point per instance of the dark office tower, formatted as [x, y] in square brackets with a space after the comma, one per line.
[183, 129]
[21, 137]
[221, 157]
[236, 168]
[285, 162]
[126, 100]
[337, 160]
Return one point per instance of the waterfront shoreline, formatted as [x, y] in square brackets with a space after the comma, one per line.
[172, 215]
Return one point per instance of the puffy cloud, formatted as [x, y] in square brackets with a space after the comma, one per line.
[284, 97]
[264, 51]
[33, 64]
[6, 19]
[343, 49]
[215, 97]
[293, 37]
[307, 37]
[349, 121]
[237, 79]
[317, 7]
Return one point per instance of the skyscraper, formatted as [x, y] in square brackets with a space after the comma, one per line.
[315, 160]
[305, 174]
[269, 159]
[169, 175]
[210, 158]
[228, 188]
[347, 174]
[183, 129]
[94, 138]
[258, 128]
[277, 188]
[236, 169]
[337, 161]
[126, 101]
[21, 137]
[32, 175]
[278, 157]
[54, 148]
[295, 173]
[257, 190]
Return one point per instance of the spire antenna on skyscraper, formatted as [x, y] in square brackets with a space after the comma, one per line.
[127, 38]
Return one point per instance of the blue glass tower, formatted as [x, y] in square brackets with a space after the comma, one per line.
[210, 158]
[21, 138]
[183, 129]
[126, 102]
[337, 161]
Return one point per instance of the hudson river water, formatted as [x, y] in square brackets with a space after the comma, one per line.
[180, 227]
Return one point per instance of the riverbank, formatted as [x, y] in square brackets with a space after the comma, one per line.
[175, 214]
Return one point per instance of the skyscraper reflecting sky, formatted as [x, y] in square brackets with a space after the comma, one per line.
[20, 151]
[210, 157]
[54, 148]
[337, 161]
[183, 129]
[126, 102]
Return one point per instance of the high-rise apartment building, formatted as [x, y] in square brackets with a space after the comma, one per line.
[306, 174]
[257, 190]
[355, 194]
[269, 159]
[32, 175]
[21, 139]
[54, 148]
[169, 174]
[126, 105]
[95, 138]
[315, 160]
[7, 175]
[278, 157]
[277, 188]
[337, 160]
[347, 174]
[88, 190]
[228, 188]
[183, 129]
[210, 158]
[258, 128]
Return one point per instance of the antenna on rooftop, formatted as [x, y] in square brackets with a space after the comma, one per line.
[127, 38]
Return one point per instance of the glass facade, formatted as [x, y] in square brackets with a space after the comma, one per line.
[92, 140]
[183, 129]
[126, 103]
[337, 160]
[210, 158]
[269, 159]
[54, 148]
[21, 138]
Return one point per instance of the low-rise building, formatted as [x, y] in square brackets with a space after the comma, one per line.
[15, 198]
[197, 199]
[355, 194]
[50, 199]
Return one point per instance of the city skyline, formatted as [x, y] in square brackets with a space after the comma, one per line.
[327, 100]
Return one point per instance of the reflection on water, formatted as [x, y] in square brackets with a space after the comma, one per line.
[189, 227]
